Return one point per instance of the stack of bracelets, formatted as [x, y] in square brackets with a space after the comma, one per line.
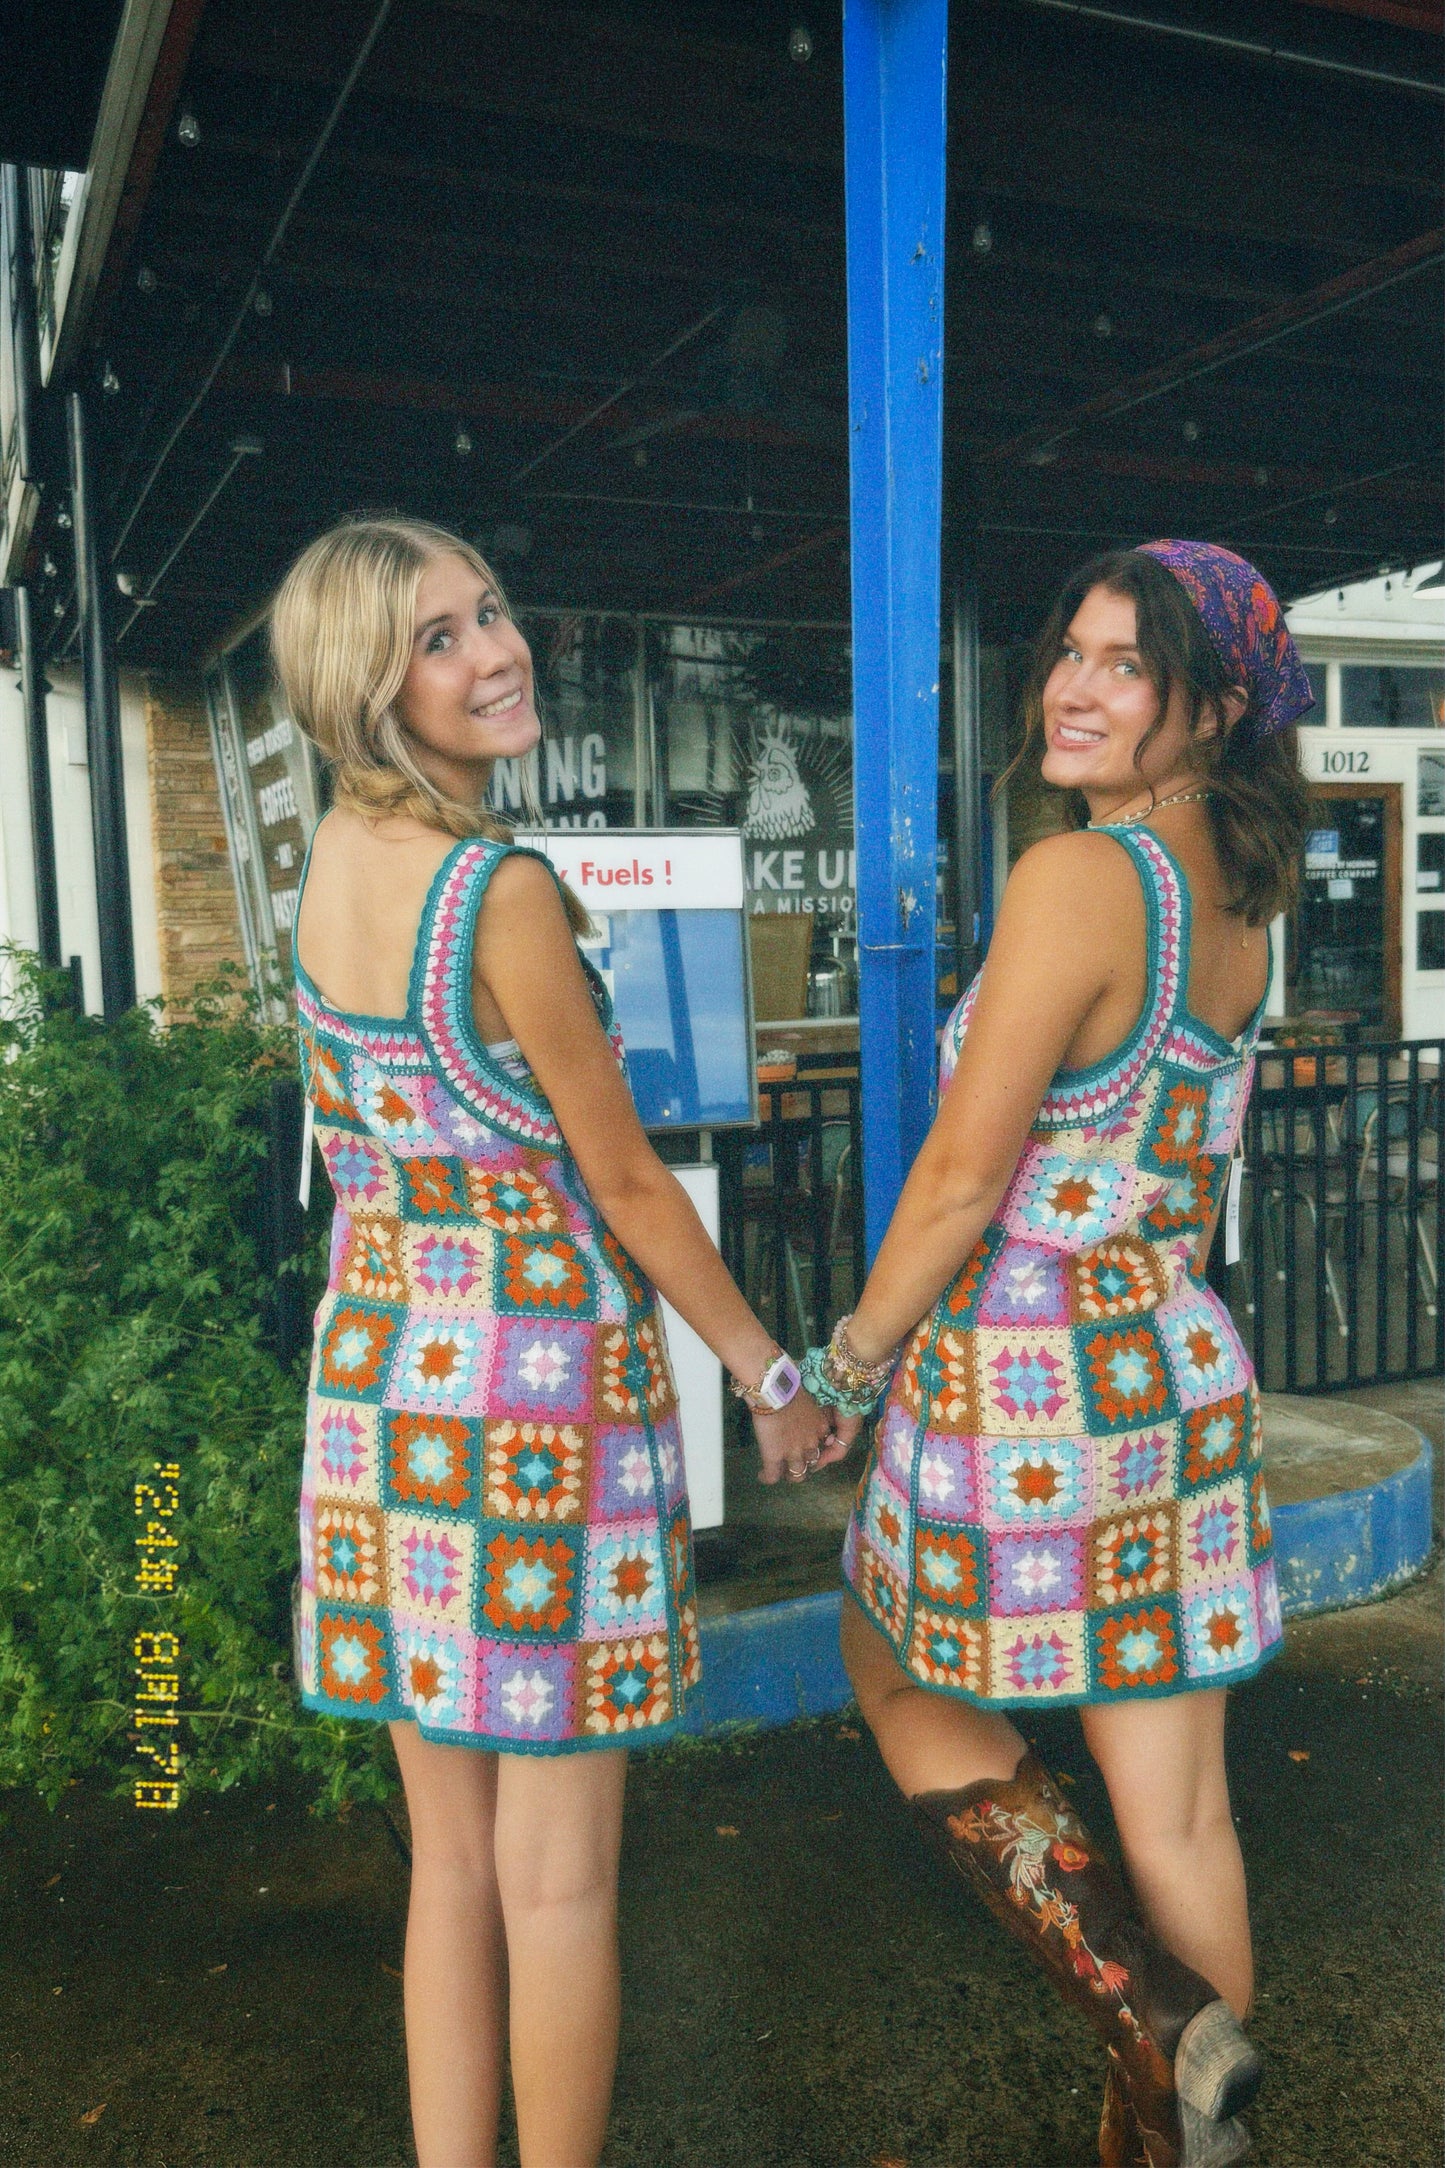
[837, 1376]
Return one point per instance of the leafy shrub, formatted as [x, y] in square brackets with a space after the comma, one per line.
[131, 1334]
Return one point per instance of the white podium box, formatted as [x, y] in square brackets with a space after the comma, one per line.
[699, 1376]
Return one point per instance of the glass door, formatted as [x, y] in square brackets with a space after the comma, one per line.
[1344, 945]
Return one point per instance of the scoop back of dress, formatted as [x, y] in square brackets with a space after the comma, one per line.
[494, 1528]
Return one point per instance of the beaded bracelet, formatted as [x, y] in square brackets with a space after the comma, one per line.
[837, 1376]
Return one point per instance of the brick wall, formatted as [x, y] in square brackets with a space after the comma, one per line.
[195, 889]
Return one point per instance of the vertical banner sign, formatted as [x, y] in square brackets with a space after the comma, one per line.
[894, 80]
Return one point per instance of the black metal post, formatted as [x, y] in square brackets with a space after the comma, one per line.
[102, 724]
[967, 772]
[33, 689]
[32, 441]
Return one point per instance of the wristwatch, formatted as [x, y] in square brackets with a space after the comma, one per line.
[778, 1385]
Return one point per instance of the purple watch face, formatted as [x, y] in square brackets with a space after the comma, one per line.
[780, 1383]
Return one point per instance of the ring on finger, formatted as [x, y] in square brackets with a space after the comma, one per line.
[796, 1472]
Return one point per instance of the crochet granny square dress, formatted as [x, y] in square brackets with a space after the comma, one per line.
[494, 1526]
[1064, 1501]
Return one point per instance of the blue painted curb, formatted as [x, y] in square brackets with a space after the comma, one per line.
[771, 1665]
[1354, 1546]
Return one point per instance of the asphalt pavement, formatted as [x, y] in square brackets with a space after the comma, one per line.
[804, 1988]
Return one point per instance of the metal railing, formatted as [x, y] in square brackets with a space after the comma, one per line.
[792, 1204]
[1343, 1218]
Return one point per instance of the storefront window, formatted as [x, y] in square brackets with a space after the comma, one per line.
[584, 772]
[1430, 862]
[1393, 696]
[1430, 804]
[753, 729]
[269, 779]
[1430, 941]
[1340, 937]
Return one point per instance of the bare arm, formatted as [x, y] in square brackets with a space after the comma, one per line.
[1054, 956]
[527, 961]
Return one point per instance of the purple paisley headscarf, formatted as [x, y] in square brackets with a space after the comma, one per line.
[1246, 628]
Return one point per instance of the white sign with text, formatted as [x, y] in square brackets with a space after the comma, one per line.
[620, 869]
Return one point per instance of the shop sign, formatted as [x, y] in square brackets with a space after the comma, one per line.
[798, 825]
[568, 777]
[620, 871]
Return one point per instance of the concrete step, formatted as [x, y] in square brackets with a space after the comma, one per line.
[1349, 1487]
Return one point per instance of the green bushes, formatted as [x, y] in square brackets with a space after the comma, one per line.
[130, 1335]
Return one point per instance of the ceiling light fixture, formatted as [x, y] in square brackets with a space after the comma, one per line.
[462, 444]
[188, 130]
[800, 43]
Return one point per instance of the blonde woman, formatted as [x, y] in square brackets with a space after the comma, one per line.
[496, 1553]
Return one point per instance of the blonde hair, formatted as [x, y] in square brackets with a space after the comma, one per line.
[342, 630]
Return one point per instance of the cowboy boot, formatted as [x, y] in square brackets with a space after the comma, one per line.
[1120, 2145]
[1184, 2063]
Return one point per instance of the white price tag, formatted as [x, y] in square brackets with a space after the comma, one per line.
[308, 1132]
[1231, 1211]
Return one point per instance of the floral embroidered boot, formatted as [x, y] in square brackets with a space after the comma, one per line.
[1120, 2145]
[1185, 2065]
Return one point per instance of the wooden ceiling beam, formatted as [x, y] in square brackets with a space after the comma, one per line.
[1011, 138]
[817, 245]
[1243, 340]
[610, 74]
[531, 407]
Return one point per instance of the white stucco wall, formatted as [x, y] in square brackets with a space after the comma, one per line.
[74, 847]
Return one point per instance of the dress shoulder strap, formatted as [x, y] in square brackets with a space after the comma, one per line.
[1086, 1095]
[1166, 908]
[441, 999]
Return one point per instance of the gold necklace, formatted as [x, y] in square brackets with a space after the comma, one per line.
[1176, 797]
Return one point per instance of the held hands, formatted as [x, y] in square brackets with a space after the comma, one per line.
[846, 1428]
[797, 1439]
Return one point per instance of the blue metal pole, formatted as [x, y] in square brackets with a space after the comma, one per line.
[894, 81]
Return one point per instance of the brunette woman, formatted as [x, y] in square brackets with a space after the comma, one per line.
[1063, 1503]
[496, 1554]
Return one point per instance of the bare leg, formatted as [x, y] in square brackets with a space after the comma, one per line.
[1163, 1762]
[559, 1833]
[930, 1743]
[456, 1969]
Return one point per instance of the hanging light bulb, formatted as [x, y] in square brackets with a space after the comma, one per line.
[188, 129]
[800, 44]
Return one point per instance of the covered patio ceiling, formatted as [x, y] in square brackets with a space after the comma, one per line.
[572, 280]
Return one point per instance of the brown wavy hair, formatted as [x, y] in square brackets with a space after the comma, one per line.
[1258, 799]
[342, 628]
